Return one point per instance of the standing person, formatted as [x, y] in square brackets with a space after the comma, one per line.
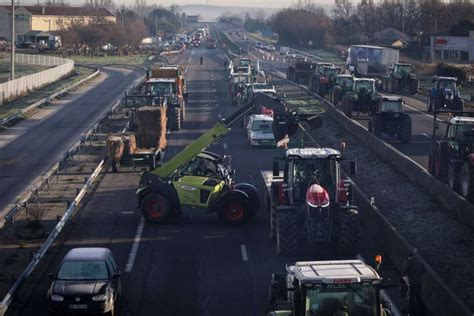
[414, 272]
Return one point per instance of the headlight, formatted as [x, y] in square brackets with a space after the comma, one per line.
[57, 298]
[99, 298]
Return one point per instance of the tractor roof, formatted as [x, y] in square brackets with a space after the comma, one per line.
[152, 80]
[364, 79]
[447, 78]
[462, 120]
[333, 272]
[392, 98]
[313, 153]
[403, 64]
[345, 76]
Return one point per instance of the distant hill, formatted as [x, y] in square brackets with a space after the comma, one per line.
[212, 12]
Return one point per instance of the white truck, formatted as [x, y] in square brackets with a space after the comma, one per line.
[371, 61]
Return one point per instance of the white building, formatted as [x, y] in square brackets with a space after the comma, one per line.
[453, 49]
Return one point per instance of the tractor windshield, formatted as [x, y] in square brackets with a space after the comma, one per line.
[310, 171]
[464, 131]
[391, 106]
[162, 88]
[400, 69]
[447, 84]
[346, 82]
[366, 85]
[354, 299]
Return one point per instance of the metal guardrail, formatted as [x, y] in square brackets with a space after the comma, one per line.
[22, 112]
[4, 304]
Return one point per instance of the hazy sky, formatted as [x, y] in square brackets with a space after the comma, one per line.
[236, 3]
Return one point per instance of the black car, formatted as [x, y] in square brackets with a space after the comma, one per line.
[88, 281]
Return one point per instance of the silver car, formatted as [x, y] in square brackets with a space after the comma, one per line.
[259, 131]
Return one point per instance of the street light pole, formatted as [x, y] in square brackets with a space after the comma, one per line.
[12, 51]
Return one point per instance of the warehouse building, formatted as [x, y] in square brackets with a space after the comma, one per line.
[31, 19]
[453, 49]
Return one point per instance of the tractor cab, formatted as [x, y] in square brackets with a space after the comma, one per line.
[445, 95]
[345, 287]
[403, 69]
[448, 83]
[391, 105]
[345, 82]
[364, 85]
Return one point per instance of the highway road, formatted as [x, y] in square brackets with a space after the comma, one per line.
[422, 122]
[29, 148]
[197, 265]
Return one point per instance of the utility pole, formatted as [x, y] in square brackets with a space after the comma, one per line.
[12, 51]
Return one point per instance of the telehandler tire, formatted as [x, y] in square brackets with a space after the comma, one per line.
[156, 208]
[233, 211]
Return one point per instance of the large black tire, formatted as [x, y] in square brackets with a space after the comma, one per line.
[453, 179]
[156, 208]
[413, 86]
[405, 130]
[378, 127]
[287, 232]
[254, 197]
[115, 166]
[348, 108]
[349, 233]
[371, 125]
[174, 118]
[467, 181]
[233, 211]
[273, 224]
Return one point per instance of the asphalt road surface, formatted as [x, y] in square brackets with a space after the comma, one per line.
[31, 147]
[196, 266]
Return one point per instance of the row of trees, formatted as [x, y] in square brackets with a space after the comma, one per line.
[348, 23]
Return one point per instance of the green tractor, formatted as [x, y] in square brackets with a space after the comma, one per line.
[323, 81]
[363, 98]
[401, 79]
[339, 287]
[342, 85]
[203, 179]
[391, 119]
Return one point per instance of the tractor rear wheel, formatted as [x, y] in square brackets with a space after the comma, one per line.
[395, 85]
[405, 130]
[371, 125]
[156, 208]
[287, 232]
[349, 233]
[453, 182]
[174, 118]
[233, 211]
[348, 108]
[467, 181]
[377, 127]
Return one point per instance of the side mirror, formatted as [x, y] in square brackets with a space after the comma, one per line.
[276, 169]
[278, 288]
[51, 276]
[353, 167]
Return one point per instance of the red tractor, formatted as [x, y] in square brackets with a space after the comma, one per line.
[452, 157]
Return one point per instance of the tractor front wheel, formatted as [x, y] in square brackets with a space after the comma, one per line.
[405, 130]
[348, 108]
[287, 232]
[349, 233]
[234, 211]
[467, 181]
[156, 208]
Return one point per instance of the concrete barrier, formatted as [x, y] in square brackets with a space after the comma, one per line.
[436, 295]
[453, 202]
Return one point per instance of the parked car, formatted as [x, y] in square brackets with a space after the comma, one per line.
[271, 48]
[29, 45]
[87, 281]
[258, 44]
[259, 131]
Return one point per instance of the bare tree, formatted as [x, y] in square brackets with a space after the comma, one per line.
[342, 10]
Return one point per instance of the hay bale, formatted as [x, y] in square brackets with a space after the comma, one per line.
[115, 147]
[130, 143]
[151, 123]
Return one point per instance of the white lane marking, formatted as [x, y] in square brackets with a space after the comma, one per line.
[186, 70]
[243, 250]
[224, 145]
[136, 243]
[395, 311]
[127, 212]
[151, 57]
[426, 135]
